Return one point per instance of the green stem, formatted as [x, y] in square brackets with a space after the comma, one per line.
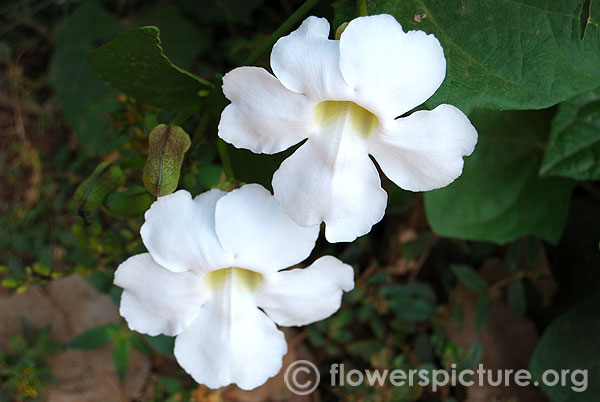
[201, 128]
[185, 114]
[225, 159]
[361, 8]
[279, 32]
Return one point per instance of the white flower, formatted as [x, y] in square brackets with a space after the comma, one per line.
[213, 262]
[345, 97]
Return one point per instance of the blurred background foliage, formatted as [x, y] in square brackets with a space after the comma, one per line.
[500, 268]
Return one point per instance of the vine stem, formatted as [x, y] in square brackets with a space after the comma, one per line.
[283, 28]
[225, 159]
[361, 8]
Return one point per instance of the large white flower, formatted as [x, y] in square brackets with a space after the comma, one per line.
[345, 96]
[213, 278]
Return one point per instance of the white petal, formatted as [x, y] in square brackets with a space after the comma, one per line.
[303, 296]
[425, 150]
[156, 300]
[331, 178]
[231, 341]
[264, 116]
[392, 71]
[251, 225]
[180, 233]
[307, 62]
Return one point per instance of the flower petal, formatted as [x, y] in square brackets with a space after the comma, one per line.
[251, 225]
[331, 178]
[155, 300]
[180, 233]
[307, 62]
[392, 71]
[264, 116]
[231, 341]
[303, 296]
[425, 150]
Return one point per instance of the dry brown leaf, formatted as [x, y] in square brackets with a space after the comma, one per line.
[205, 394]
[71, 306]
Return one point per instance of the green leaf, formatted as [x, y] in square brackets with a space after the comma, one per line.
[84, 98]
[95, 337]
[574, 145]
[504, 54]
[105, 179]
[500, 196]
[473, 356]
[470, 278]
[378, 278]
[135, 64]
[10, 283]
[483, 311]
[138, 341]
[179, 37]
[411, 309]
[413, 301]
[41, 269]
[121, 352]
[171, 385]
[364, 349]
[571, 342]
[516, 299]
[101, 280]
[249, 167]
[162, 344]
[422, 348]
[512, 258]
[131, 202]
[168, 145]
[208, 176]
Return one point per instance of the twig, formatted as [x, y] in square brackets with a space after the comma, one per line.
[14, 94]
[497, 286]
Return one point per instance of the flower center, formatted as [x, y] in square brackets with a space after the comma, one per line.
[240, 277]
[333, 113]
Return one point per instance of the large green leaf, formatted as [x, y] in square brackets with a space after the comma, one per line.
[135, 64]
[84, 98]
[256, 168]
[180, 38]
[504, 54]
[571, 342]
[500, 196]
[574, 146]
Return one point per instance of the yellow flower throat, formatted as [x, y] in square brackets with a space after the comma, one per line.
[328, 113]
[242, 277]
